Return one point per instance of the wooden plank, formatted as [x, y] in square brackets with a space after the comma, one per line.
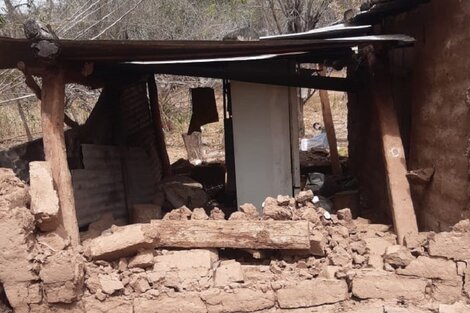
[252, 73]
[52, 117]
[193, 144]
[233, 234]
[330, 130]
[401, 204]
[201, 234]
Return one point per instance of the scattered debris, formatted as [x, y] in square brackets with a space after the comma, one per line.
[397, 256]
[183, 213]
[44, 199]
[144, 213]
[184, 191]
[228, 272]
[420, 176]
[333, 263]
[199, 214]
[272, 210]
[217, 214]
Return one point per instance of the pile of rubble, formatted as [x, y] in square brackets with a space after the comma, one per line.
[313, 261]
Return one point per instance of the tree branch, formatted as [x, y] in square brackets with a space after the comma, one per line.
[118, 20]
[276, 21]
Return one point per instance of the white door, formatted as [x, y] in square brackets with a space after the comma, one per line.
[262, 146]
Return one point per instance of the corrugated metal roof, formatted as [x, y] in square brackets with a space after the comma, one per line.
[15, 50]
[191, 51]
[399, 39]
[232, 59]
[376, 10]
[339, 30]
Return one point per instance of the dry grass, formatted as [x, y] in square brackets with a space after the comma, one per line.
[339, 110]
[213, 134]
[20, 121]
[176, 114]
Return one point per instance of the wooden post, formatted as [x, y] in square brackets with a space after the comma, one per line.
[401, 205]
[294, 101]
[193, 144]
[330, 130]
[157, 120]
[52, 116]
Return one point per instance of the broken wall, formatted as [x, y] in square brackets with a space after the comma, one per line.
[345, 265]
[431, 88]
[365, 152]
[113, 157]
[121, 165]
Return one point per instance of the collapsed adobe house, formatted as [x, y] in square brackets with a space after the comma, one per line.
[287, 255]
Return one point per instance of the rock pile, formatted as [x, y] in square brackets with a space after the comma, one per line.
[351, 266]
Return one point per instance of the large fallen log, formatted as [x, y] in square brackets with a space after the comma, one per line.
[127, 240]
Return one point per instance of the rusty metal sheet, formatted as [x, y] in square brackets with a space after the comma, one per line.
[142, 179]
[99, 188]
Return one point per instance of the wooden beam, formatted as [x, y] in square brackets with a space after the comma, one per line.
[52, 116]
[254, 72]
[129, 239]
[401, 205]
[29, 80]
[330, 130]
[158, 125]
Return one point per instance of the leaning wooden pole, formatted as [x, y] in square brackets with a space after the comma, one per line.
[330, 130]
[401, 204]
[52, 116]
[157, 120]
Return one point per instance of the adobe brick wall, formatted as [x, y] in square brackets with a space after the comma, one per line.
[431, 88]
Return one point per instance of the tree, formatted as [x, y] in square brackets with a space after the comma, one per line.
[294, 16]
[160, 20]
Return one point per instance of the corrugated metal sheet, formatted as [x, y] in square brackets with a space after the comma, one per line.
[334, 31]
[376, 10]
[143, 163]
[136, 123]
[99, 188]
[142, 181]
[15, 50]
